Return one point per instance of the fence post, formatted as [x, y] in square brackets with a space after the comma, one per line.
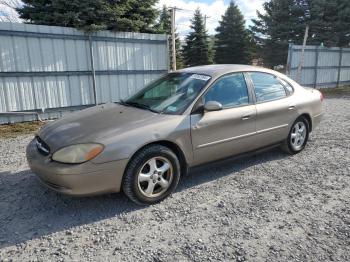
[289, 60]
[93, 70]
[339, 65]
[316, 64]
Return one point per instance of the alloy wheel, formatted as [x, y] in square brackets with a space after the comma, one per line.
[155, 177]
[298, 136]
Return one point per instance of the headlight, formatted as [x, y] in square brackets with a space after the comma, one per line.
[77, 154]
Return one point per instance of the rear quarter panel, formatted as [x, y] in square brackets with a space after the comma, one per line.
[309, 102]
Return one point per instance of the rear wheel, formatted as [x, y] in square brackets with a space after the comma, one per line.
[297, 137]
[152, 175]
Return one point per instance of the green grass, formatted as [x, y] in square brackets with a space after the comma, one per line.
[17, 129]
[338, 91]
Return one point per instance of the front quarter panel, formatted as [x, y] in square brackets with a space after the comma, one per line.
[123, 145]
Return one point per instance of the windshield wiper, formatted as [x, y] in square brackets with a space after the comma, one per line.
[122, 102]
[142, 106]
[138, 105]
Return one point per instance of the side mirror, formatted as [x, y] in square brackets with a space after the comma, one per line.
[212, 106]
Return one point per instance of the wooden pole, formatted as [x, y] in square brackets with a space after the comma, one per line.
[205, 21]
[173, 47]
[92, 63]
[301, 60]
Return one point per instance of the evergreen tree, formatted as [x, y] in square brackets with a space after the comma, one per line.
[196, 49]
[284, 22]
[232, 45]
[211, 52]
[343, 23]
[329, 22]
[164, 26]
[92, 15]
[252, 47]
[164, 23]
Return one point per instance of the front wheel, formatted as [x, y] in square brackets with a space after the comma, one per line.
[152, 175]
[297, 137]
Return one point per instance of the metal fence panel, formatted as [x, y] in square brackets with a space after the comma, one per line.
[56, 68]
[322, 67]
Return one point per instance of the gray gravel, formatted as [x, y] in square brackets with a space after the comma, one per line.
[270, 206]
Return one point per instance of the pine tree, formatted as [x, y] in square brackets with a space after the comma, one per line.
[232, 44]
[252, 47]
[164, 26]
[330, 22]
[284, 22]
[211, 44]
[164, 23]
[196, 49]
[343, 24]
[92, 15]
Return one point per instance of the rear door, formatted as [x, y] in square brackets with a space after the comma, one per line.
[229, 131]
[275, 108]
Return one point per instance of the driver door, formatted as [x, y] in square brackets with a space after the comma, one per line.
[229, 131]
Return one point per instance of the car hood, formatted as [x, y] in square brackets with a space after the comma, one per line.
[92, 124]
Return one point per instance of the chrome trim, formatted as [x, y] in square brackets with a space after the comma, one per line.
[271, 129]
[318, 115]
[241, 136]
[225, 140]
[41, 147]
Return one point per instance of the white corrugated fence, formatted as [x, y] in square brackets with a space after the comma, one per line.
[321, 67]
[58, 69]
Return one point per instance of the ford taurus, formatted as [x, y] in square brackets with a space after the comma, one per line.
[143, 144]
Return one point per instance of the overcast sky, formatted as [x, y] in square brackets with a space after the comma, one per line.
[213, 8]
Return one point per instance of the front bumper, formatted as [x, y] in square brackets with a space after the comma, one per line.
[76, 179]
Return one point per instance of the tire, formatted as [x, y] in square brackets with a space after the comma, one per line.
[151, 175]
[290, 145]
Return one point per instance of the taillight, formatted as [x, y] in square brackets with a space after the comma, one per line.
[321, 96]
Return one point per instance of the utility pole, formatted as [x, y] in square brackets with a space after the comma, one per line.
[173, 47]
[301, 60]
[205, 21]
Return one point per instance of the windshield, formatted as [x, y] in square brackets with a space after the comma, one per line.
[170, 94]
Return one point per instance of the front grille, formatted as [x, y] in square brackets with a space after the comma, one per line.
[43, 148]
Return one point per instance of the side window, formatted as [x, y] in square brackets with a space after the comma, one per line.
[267, 87]
[287, 86]
[230, 91]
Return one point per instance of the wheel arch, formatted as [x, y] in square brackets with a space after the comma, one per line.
[308, 118]
[173, 147]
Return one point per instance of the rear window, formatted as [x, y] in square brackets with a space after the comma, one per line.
[267, 87]
[287, 86]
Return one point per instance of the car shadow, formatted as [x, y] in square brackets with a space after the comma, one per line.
[228, 166]
[29, 210]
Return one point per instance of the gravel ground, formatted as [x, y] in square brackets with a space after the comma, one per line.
[269, 206]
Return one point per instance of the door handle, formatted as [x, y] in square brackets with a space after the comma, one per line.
[245, 117]
[291, 107]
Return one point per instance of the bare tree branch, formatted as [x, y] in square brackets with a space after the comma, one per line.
[8, 11]
[13, 4]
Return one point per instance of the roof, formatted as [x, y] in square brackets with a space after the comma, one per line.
[220, 69]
